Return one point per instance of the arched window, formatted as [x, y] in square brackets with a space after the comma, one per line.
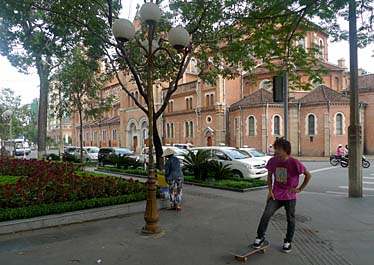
[276, 124]
[311, 124]
[114, 134]
[320, 48]
[191, 129]
[251, 126]
[186, 129]
[339, 124]
[167, 130]
[193, 66]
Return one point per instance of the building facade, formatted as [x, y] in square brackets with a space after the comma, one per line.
[241, 112]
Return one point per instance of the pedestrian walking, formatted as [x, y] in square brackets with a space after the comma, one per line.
[270, 150]
[174, 177]
[286, 171]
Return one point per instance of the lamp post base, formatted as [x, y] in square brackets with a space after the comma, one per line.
[151, 229]
[151, 211]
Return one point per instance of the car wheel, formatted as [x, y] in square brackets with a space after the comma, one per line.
[237, 174]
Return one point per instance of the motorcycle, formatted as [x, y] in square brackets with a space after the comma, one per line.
[344, 162]
[335, 160]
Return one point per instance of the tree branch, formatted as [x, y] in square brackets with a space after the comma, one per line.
[173, 86]
[134, 73]
[123, 85]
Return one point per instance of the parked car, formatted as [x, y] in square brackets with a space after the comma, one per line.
[252, 152]
[179, 153]
[105, 153]
[184, 146]
[241, 164]
[21, 148]
[70, 149]
[90, 153]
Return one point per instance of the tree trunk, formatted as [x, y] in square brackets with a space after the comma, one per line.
[158, 145]
[43, 72]
[80, 133]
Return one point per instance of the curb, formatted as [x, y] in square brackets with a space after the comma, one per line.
[120, 173]
[81, 216]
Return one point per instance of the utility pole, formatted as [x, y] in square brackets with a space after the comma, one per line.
[285, 103]
[354, 130]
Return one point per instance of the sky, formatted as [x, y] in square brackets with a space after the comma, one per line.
[27, 86]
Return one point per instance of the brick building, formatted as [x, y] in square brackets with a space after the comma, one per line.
[241, 111]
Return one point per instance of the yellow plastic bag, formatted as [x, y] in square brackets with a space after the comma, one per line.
[162, 181]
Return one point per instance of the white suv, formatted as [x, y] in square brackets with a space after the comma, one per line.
[241, 164]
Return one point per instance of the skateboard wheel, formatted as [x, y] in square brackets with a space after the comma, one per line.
[245, 259]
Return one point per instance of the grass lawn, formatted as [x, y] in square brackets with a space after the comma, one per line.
[9, 179]
[139, 171]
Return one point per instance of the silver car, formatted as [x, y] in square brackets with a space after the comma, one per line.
[90, 153]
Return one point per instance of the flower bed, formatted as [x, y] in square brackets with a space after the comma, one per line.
[55, 187]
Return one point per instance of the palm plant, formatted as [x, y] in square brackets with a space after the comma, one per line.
[197, 163]
[219, 171]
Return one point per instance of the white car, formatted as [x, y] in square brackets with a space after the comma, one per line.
[252, 152]
[241, 164]
[90, 153]
[179, 153]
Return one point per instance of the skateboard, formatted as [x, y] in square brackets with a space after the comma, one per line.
[244, 257]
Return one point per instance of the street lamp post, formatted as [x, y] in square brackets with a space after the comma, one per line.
[124, 31]
[9, 115]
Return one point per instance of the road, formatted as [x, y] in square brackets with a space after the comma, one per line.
[34, 154]
[334, 180]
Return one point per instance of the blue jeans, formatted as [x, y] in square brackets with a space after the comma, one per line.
[271, 207]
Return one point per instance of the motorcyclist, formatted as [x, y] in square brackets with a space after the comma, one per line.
[346, 150]
[339, 151]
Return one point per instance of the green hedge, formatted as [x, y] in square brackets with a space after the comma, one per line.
[62, 207]
[231, 183]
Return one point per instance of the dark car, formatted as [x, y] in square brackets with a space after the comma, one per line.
[105, 154]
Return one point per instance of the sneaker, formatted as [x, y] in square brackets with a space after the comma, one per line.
[286, 246]
[258, 242]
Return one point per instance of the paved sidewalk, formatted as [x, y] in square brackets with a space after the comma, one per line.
[213, 223]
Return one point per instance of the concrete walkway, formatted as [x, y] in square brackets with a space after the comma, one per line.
[213, 223]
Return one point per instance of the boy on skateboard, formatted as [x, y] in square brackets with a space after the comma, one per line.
[282, 191]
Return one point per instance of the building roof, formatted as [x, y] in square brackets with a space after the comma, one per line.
[321, 94]
[261, 96]
[261, 69]
[366, 81]
[324, 94]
